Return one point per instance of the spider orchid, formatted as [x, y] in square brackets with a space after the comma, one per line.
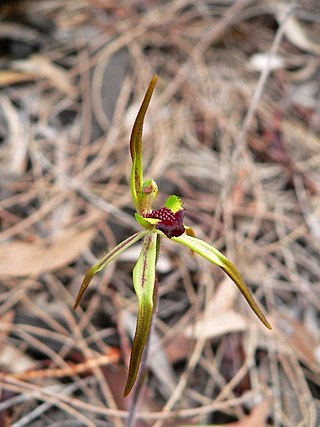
[166, 222]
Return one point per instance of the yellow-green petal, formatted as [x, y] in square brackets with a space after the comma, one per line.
[113, 254]
[213, 255]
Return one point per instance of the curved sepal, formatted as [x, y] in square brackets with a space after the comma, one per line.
[213, 255]
[114, 253]
[136, 179]
[143, 281]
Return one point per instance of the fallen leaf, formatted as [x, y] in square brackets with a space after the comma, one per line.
[20, 259]
[217, 324]
[15, 359]
[224, 297]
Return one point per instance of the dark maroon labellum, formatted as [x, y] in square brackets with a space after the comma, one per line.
[171, 224]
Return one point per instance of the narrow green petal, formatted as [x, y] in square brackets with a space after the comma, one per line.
[136, 179]
[213, 255]
[114, 253]
[143, 281]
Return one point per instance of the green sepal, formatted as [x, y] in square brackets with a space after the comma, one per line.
[143, 282]
[213, 255]
[173, 203]
[114, 253]
[136, 179]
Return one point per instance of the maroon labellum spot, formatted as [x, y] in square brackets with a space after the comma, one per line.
[171, 224]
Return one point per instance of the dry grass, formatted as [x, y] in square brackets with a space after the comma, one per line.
[232, 133]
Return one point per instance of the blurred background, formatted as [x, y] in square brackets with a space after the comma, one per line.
[233, 129]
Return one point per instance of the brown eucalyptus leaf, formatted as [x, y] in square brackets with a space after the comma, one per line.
[19, 258]
[217, 324]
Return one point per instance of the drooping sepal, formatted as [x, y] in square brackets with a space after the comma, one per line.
[136, 179]
[113, 254]
[143, 281]
[213, 255]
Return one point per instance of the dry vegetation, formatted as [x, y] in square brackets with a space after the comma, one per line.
[231, 130]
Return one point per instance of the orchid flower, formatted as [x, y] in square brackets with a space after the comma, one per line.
[167, 223]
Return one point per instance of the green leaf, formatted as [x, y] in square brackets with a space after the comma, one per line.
[173, 203]
[213, 255]
[114, 253]
[143, 281]
[136, 178]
